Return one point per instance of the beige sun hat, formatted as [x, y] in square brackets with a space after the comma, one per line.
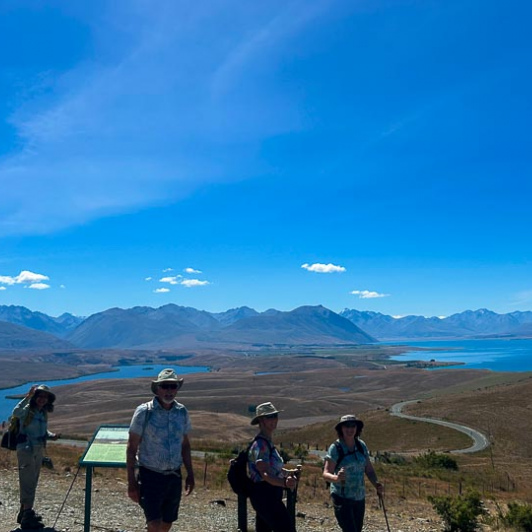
[45, 389]
[166, 375]
[350, 418]
[264, 409]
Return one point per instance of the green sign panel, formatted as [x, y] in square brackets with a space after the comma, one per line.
[107, 447]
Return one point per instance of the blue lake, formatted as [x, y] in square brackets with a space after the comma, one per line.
[495, 355]
[120, 372]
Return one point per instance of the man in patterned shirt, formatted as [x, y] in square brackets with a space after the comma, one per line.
[158, 440]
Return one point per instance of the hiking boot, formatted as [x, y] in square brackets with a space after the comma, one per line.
[30, 520]
[19, 515]
[47, 462]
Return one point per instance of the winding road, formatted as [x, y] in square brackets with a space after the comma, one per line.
[480, 442]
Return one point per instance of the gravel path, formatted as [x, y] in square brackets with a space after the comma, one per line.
[204, 510]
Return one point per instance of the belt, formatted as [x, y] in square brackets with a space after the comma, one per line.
[176, 472]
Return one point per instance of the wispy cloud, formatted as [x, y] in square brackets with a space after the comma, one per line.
[189, 283]
[25, 277]
[192, 270]
[166, 270]
[148, 278]
[522, 298]
[102, 141]
[161, 290]
[323, 268]
[367, 294]
[281, 26]
[3, 288]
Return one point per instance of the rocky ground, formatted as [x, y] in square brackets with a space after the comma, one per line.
[204, 510]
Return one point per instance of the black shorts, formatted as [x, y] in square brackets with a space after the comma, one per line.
[160, 495]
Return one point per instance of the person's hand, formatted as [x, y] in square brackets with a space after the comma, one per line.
[55, 436]
[380, 489]
[290, 482]
[189, 484]
[133, 491]
[32, 390]
[340, 477]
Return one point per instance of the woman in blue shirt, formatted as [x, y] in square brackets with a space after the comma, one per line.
[345, 465]
[32, 413]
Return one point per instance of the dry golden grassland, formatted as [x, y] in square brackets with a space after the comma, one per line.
[313, 392]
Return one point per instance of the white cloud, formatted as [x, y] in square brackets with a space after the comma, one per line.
[30, 277]
[148, 278]
[166, 270]
[189, 283]
[323, 268]
[171, 280]
[39, 286]
[161, 290]
[192, 270]
[25, 277]
[367, 294]
[3, 288]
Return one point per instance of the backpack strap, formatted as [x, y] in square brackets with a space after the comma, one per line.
[147, 416]
[342, 454]
[259, 437]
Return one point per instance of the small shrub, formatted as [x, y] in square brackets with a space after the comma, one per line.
[301, 452]
[519, 516]
[284, 455]
[432, 460]
[459, 514]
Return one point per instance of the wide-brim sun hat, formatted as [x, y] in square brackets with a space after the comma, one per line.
[264, 409]
[166, 375]
[350, 418]
[45, 389]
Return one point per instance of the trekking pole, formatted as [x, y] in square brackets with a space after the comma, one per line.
[66, 496]
[381, 503]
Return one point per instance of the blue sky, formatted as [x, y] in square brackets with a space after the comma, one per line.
[363, 154]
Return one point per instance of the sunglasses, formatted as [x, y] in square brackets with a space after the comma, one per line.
[271, 416]
[168, 386]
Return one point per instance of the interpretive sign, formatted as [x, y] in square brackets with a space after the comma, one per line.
[106, 449]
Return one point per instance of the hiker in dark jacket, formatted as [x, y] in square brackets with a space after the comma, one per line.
[345, 465]
[266, 470]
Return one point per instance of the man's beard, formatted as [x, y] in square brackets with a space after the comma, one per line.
[167, 401]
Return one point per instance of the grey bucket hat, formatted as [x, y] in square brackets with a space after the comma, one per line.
[264, 409]
[350, 418]
[166, 375]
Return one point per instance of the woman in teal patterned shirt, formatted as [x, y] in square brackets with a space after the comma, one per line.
[346, 463]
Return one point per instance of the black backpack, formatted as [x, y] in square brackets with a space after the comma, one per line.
[12, 436]
[237, 475]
